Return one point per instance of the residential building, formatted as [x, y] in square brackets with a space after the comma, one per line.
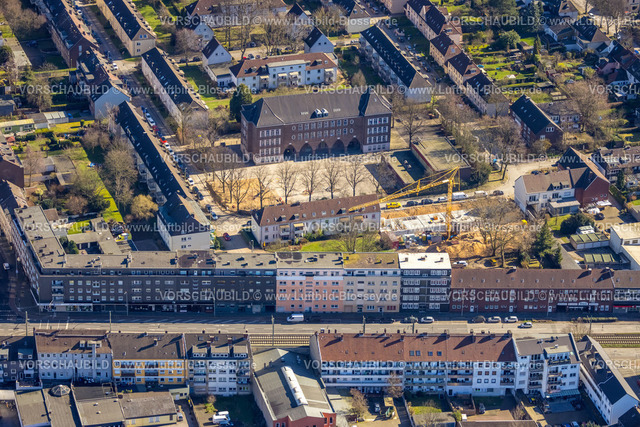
[357, 18]
[566, 9]
[294, 221]
[104, 89]
[127, 22]
[288, 392]
[200, 29]
[73, 354]
[298, 16]
[534, 123]
[181, 222]
[97, 406]
[611, 161]
[149, 408]
[394, 7]
[486, 96]
[392, 66]
[11, 197]
[18, 365]
[461, 68]
[531, 291]
[218, 364]
[478, 364]
[11, 168]
[214, 53]
[563, 114]
[426, 281]
[310, 282]
[150, 359]
[442, 49]
[562, 32]
[68, 32]
[169, 84]
[372, 282]
[432, 20]
[625, 240]
[317, 42]
[299, 69]
[553, 192]
[16, 126]
[603, 383]
[549, 367]
[280, 128]
[589, 35]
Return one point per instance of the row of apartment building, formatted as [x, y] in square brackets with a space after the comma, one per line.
[478, 364]
[198, 280]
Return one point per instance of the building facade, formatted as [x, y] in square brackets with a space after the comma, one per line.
[280, 128]
[127, 22]
[426, 281]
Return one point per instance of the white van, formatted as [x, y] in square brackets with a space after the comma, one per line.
[459, 196]
[480, 193]
[294, 318]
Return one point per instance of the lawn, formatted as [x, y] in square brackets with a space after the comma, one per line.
[152, 17]
[330, 245]
[78, 227]
[422, 404]
[556, 222]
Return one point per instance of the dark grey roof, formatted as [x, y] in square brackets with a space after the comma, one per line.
[486, 88]
[178, 90]
[347, 5]
[125, 17]
[183, 216]
[544, 346]
[148, 404]
[590, 31]
[277, 110]
[68, 25]
[296, 10]
[417, 5]
[435, 19]
[313, 37]
[11, 196]
[210, 47]
[442, 43]
[138, 133]
[631, 418]
[531, 115]
[387, 50]
[147, 346]
[603, 372]
[218, 344]
[461, 63]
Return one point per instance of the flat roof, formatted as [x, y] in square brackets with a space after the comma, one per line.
[424, 260]
[31, 408]
[149, 404]
[439, 154]
[372, 260]
[408, 172]
[589, 237]
[306, 260]
[627, 230]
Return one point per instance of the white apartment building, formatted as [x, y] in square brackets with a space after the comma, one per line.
[452, 364]
[606, 387]
[540, 191]
[426, 281]
[372, 282]
[548, 366]
[73, 355]
[285, 70]
[218, 364]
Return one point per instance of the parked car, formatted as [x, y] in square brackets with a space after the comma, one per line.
[226, 237]
[481, 409]
[150, 120]
[526, 325]
[377, 408]
[494, 319]
[478, 319]
[190, 181]
[426, 201]
[427, 319]
[599, 216]
[393, 205]
[460, 264]
[498, 193]
[441, 199]
[510, 319]
[411, 203]
[6, 266]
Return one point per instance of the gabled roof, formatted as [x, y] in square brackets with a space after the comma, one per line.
[297, 10]
[462, 63]
[574, 159]
[183, 215]
[315, 210]
[603, 371]
[213, 44]
[68, 24]
[566, 6]
[589, 31]
[174, 85]
[486, 88]
[435, 19]
[259, 67]
[531, 115]
[393, 57]
[11, 196]
[417, 5]
[351, 8]
[127, 17]
[313, 37]
[442, 43]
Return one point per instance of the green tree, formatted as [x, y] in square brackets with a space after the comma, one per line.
[571, 224]
[503, 7]
[557, 256]
[6, 54]
[508, 40]
[537, 46]
[543, 242]
[621, 180]
[242, 96]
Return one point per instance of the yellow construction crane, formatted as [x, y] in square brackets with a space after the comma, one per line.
[449, 177]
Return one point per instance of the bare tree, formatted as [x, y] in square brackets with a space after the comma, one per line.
[411, 115]
[331, 174]
[239, 186]
[32, 162]
[247, 10]
[354, 173]
[274, 31]
[228, 10]
[187, 43]
[263, 179]
[328, 19]
[287, 173]
[95, 136]
[76, 205]
[143, 207]
[311, 177]
[394, 386]
[120, 171]
[192, 125]
[359, 403]
[453, 112]
[505, 135]
[498, 222]
[589, 98]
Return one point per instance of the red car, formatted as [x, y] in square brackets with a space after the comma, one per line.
[226, 237]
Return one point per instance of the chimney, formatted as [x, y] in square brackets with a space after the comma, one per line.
[155, 342]
[473, 336]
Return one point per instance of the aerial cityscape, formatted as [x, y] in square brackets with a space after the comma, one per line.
[320, 213]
